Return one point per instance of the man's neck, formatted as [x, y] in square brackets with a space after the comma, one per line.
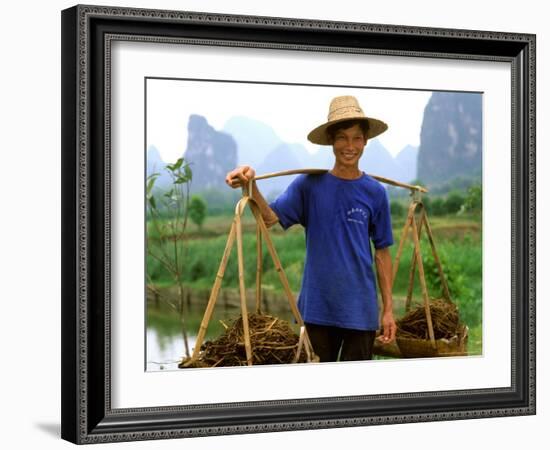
[345, 172]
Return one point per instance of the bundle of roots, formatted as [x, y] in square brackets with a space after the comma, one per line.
[272, 341]
[445, 321]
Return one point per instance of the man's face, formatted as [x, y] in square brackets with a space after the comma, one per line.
[348, 145]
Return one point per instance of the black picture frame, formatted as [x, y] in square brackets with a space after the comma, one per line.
[87, 415]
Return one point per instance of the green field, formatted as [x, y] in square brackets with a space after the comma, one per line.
[458, 241]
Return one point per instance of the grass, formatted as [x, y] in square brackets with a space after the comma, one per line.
[475, 346]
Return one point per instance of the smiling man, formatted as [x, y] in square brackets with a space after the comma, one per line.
[342, 211]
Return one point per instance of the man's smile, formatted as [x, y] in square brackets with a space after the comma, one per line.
[349, 154]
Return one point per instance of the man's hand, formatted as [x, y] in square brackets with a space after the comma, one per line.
[382, 258]
[389, 328]
[240, 176]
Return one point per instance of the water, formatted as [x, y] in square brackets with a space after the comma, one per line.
[165, 344]
[165, 352]
[164, 338]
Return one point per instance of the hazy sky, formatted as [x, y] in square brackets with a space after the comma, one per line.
[292, 111]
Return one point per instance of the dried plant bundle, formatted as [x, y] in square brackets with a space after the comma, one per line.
[445, 320]
[273, 341]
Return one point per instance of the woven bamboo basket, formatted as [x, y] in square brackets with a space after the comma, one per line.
[422, 348]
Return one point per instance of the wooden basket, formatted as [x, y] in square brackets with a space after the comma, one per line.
[422, 348]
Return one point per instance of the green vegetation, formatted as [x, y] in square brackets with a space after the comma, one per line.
[473, 200]
[462, 266]
[457, 201]
[458, 241]
[454, 202]
[197, 210]
[203, 257]
[169, 253]
[397, 208]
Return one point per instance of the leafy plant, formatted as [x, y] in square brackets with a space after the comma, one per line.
[396, 208]
[197, 210]
[454, 202]
[452, 273]
[473, 199]
[175, 202]
[427, 202]
[465, 296]
[436, 207]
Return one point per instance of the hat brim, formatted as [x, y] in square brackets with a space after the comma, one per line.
[319, 135]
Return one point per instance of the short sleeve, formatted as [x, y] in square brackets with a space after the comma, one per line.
[289, 206]
[380, 228]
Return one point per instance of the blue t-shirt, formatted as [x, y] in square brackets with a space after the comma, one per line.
[340, 218]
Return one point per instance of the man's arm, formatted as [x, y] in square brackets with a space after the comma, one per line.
[269, 216]
[383, 263]
[240, 176]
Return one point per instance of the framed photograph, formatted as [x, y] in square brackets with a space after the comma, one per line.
[162, 262]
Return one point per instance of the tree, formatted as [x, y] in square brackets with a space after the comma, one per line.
[473, 199]
[427, 202]
[174, 203]
[397, 209]
[454, 202]
[437, 207]
[197, 210]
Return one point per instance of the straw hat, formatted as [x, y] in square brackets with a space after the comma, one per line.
[342, 109]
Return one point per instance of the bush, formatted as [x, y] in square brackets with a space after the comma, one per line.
[455, 281]
[198, 270]
[473, 199]
[466, 297]
[453, 203]
[397, 208]
[427, 202]
[197, 210]
[437, 207]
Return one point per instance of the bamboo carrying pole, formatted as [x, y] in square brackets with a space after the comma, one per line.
[423, 283]
[279, 268]
[404, 233]
[235, 233]
[258, 269]
[322, 171]
[282, 276]
[213, 295]
[242, 290]
[446, 292]
[416, 260]
[412, 271]
[300, 343]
